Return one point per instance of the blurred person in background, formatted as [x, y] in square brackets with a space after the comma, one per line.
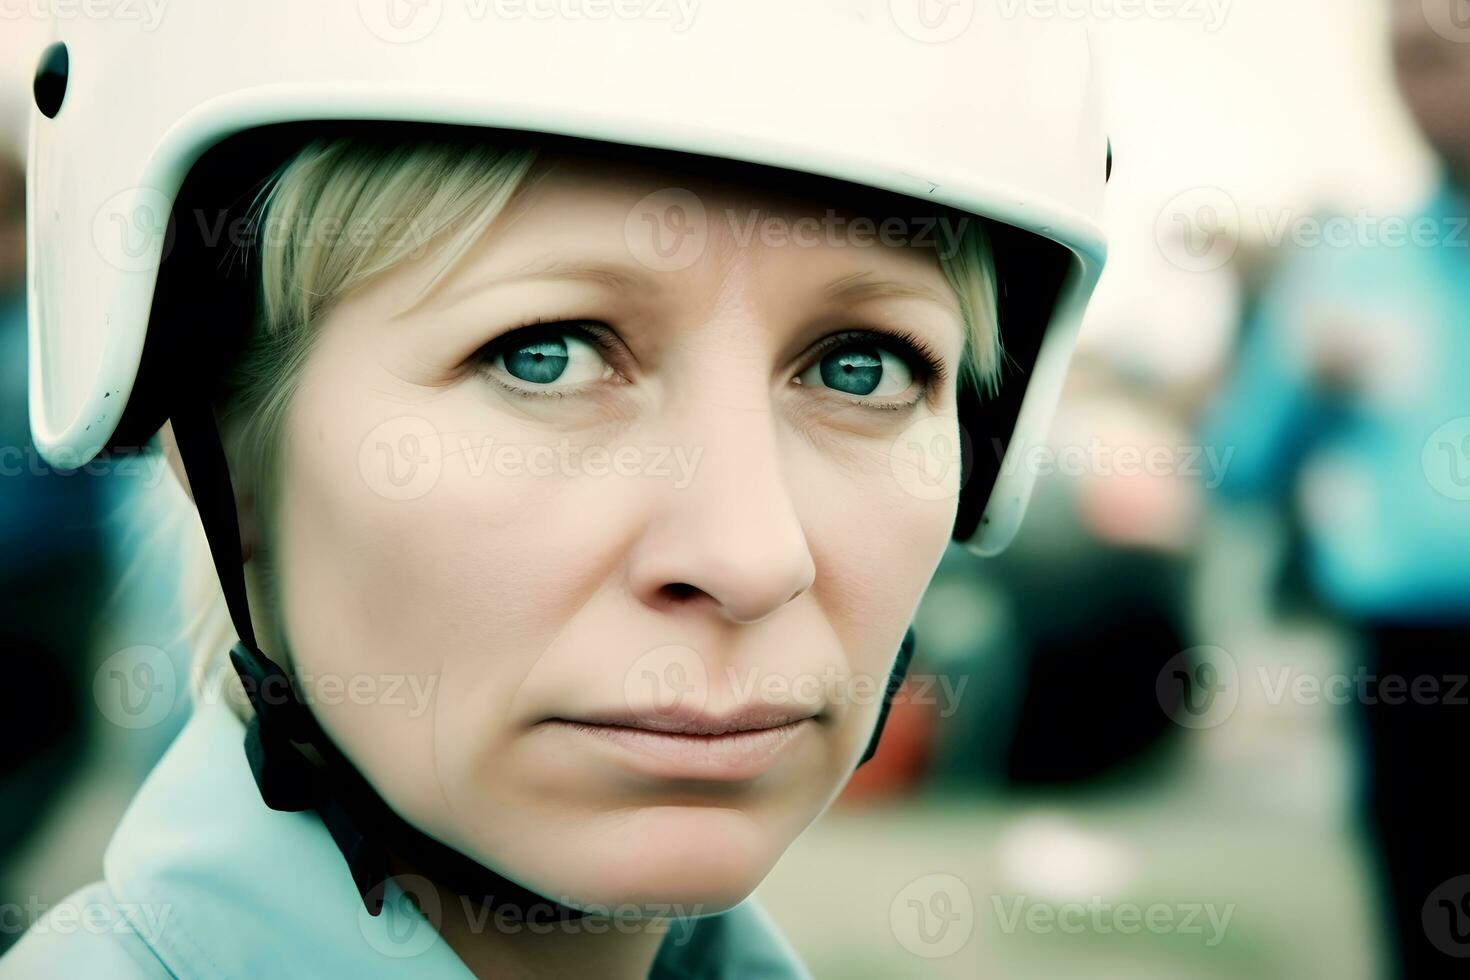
[1038, 668]
[1097, 590]
[1351, 396]
[50, 576]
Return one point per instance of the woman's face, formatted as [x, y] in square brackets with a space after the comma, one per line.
[690, 495]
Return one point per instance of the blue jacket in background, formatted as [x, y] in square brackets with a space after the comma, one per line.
[1382, 471]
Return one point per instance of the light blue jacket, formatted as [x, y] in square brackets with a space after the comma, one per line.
[1390, 536]
[201, 879]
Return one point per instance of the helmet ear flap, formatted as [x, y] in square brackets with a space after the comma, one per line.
[895, 680]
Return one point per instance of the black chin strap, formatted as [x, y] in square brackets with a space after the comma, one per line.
[365, 828]
[895, 681]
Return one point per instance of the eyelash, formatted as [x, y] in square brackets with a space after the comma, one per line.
[923, 361]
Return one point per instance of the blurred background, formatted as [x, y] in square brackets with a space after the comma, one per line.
[1162, 736]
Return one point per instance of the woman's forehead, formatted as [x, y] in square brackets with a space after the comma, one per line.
[656, 226]
[596, 254]
[727, 186]
[666, 216]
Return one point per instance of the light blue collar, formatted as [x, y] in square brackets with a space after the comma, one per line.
[219, 885]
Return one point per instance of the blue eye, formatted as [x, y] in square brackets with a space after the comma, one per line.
[540, 363]
[554, 356]
[861, 369]
[559, 357]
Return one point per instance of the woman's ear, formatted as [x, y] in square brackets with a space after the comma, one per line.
[244, 501]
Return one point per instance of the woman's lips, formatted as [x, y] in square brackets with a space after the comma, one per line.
[729, 757]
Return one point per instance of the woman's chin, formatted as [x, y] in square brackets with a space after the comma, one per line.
[673, 863]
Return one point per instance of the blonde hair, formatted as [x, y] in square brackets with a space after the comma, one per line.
[446, 190]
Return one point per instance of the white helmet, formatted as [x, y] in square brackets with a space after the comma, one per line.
[957, 103]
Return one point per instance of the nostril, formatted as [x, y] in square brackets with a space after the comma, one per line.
[680, 591]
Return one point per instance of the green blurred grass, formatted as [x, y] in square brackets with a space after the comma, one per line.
[1297, 882]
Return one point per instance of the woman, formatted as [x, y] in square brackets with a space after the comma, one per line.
[584, 495]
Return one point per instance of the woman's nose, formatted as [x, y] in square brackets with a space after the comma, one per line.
[732, 538]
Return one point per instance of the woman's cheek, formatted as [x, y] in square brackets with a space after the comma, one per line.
[457, 582]
[877, 523]
[378, 584]
[877, 545]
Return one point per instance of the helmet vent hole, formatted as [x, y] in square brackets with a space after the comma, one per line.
[51, 75]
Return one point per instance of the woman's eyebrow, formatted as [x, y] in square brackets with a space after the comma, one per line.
[617, 275]
[864, 286]
[613, 275]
